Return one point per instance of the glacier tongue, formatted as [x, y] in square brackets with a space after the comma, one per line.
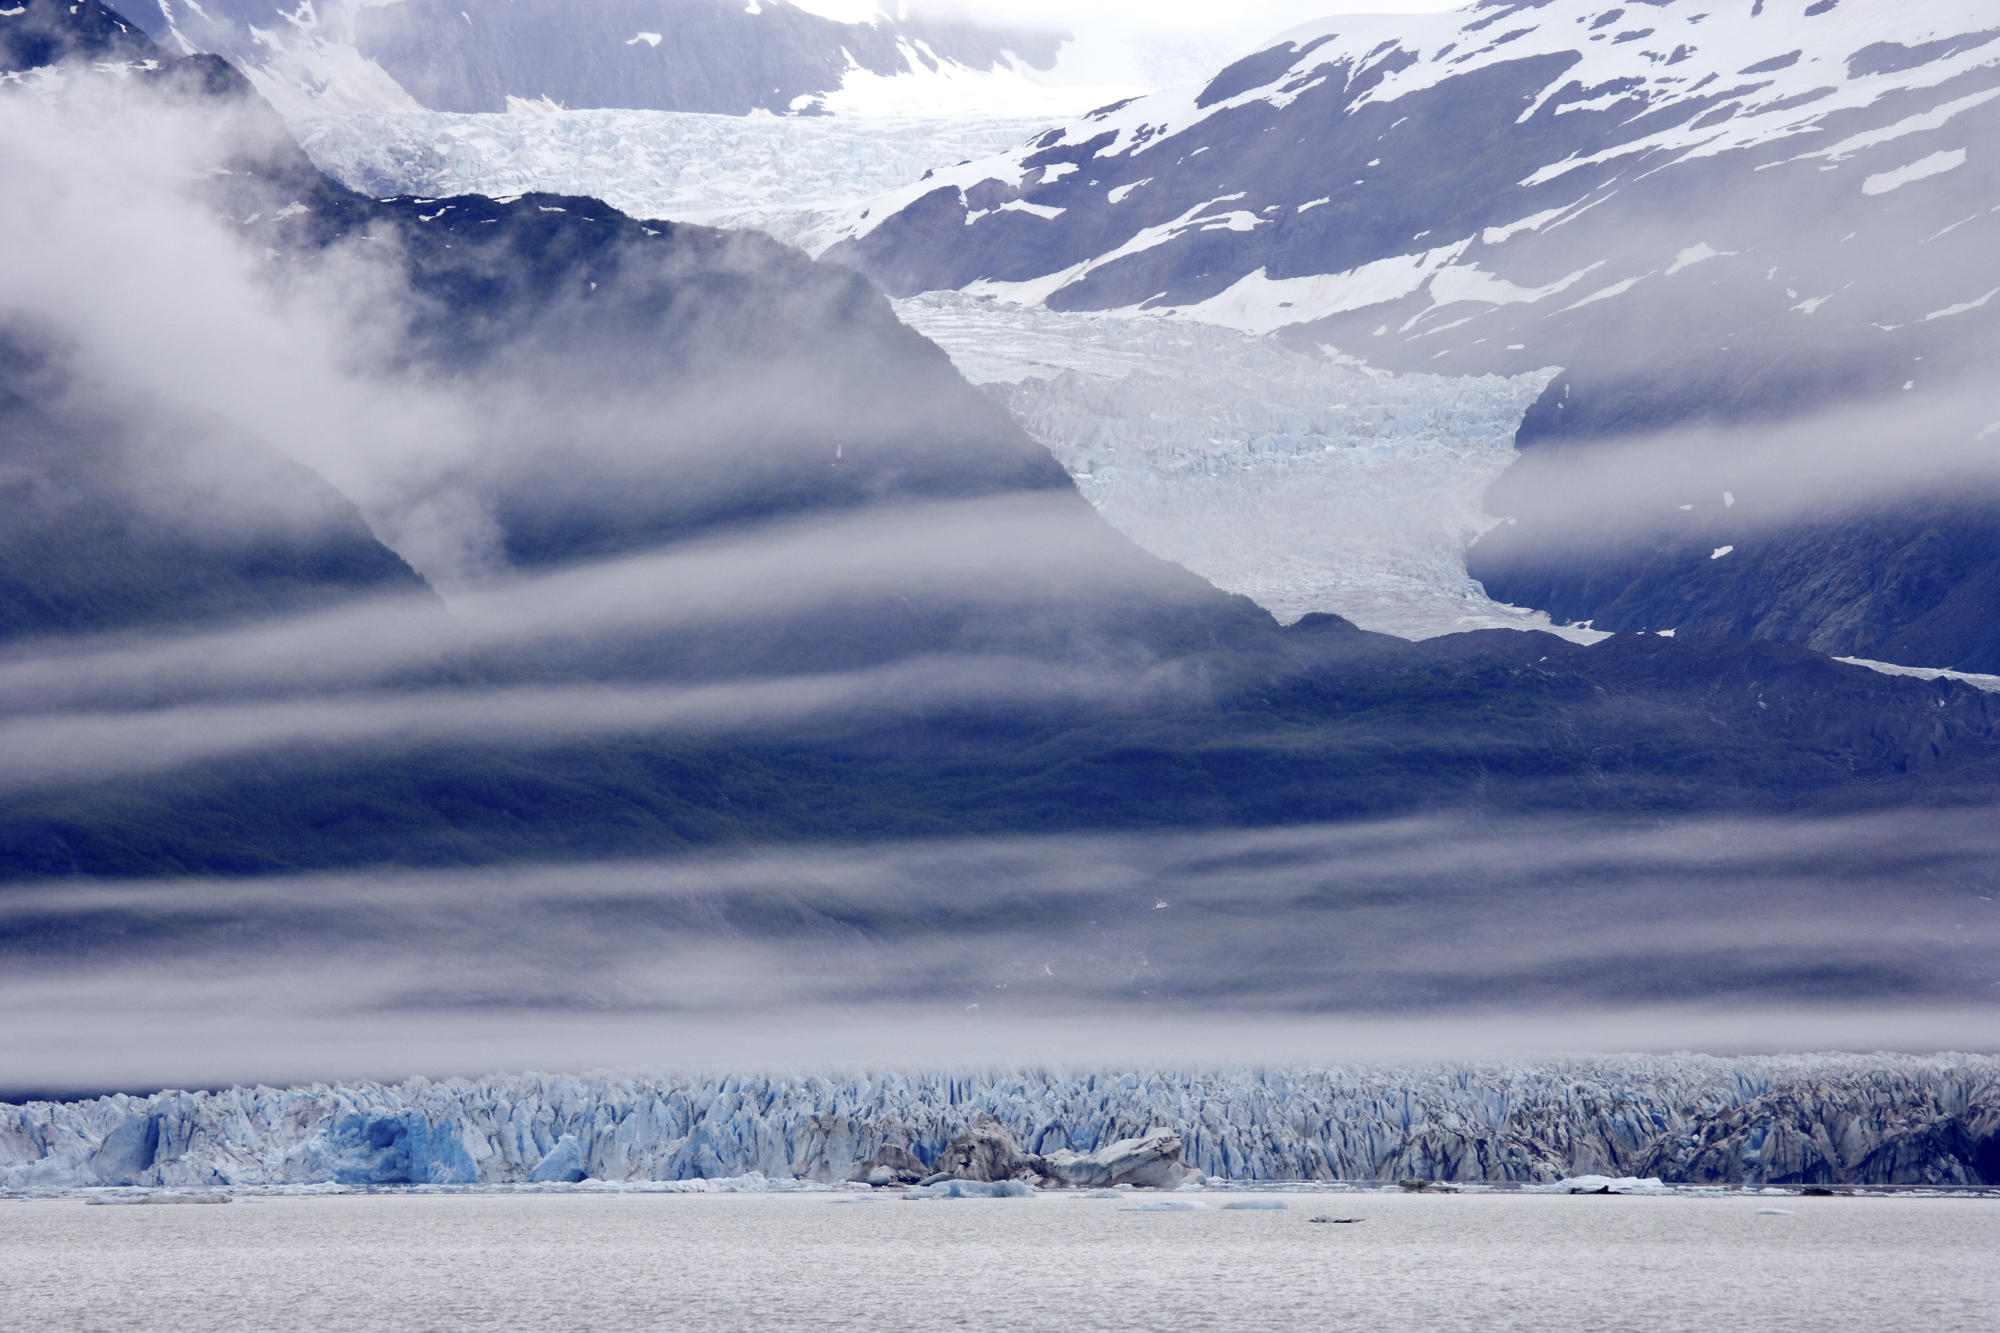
[1780, 1119]
[1305, 482]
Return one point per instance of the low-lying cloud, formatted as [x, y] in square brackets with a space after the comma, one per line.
[1402, 940]
[57, 749]
[1747, 480]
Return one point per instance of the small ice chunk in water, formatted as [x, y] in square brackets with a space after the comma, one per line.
[1601, 1185]
[1774, 1212]
[974, 1189]
[1254, 1206]
[1166, 1206]
[1105, 1194]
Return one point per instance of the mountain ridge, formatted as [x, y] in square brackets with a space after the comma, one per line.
[637, 389]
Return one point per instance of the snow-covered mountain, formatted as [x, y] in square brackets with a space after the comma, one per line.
[1469, 179]
[718, 56]
[1703, 214]
[1796, 1120]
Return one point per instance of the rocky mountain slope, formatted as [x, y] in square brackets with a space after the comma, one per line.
[1711, 221]
[106, 529]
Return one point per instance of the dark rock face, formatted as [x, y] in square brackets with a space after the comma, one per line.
[711, 55]
[716, 56]
[1913, 582]
[107, 522]
[890, 1164]
[667, 382]
[1515, 187]
[583, 303]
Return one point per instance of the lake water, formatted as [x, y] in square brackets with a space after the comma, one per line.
[776, 1262]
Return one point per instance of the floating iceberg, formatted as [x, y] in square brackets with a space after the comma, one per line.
[973, 1189]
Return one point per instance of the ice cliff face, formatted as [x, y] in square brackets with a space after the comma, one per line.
[1814, 1119]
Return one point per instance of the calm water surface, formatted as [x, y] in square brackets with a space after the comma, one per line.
[775, 1262]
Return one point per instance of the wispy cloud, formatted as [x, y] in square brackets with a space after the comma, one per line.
[1746, 480]
[1408, 939]
[60, 748]
[1015, 551]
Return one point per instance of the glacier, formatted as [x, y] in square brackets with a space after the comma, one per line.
[1278, 469]
[1756, 1120]
[1305, 480]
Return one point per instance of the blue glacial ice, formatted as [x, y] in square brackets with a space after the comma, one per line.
[1893, 1119]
